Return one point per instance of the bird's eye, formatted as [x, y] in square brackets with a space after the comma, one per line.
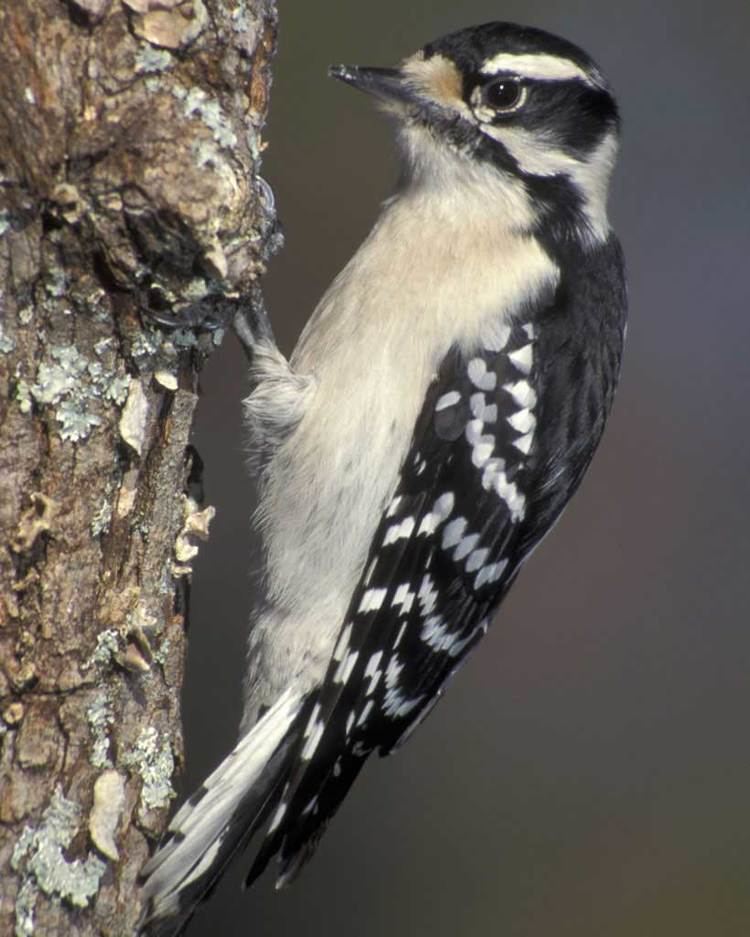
[504, 95]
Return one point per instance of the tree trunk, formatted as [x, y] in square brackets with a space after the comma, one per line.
[129, 152]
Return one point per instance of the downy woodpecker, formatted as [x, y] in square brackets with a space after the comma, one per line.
[437, 414]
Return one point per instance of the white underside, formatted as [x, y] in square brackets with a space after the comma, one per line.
[447, 262]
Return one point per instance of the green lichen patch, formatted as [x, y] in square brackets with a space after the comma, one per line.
[39, 856]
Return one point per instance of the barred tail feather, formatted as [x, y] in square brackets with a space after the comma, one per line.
[217, 820]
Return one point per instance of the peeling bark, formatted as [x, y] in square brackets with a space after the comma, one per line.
[129, 151]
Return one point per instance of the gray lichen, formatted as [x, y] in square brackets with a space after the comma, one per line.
[107, 647]
[57, 282]
[25, 904]
[23, 396]
[72, 384]
[162, 652]
[149, 59]
[197, 103]
[100, 717]
[101, 521]
[154, 762]
[75, 422]
[242, 18]
[59, 377]
[184, 338]
[152, 350]
[39, 856]
[6, 342]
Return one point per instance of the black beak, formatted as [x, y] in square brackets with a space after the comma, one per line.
[388, 84]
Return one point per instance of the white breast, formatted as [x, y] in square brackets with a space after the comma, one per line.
[437, 269]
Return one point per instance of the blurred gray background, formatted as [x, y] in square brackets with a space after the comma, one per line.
[588, 773]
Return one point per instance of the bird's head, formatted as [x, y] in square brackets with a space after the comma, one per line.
[524, 109]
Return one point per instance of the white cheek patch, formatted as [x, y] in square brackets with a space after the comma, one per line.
[540, 66]
[531, 152]
[538, 157]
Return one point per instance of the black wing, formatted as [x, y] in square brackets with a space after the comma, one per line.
[501, 443]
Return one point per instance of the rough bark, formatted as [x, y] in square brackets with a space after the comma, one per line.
[129, 152]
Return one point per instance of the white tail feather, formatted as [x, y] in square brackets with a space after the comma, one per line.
[198, 827]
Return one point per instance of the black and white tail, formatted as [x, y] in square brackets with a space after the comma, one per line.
[218, 819]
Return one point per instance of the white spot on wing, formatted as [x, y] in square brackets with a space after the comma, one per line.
[447, 400]
[435, 634]
[453, 532]
[393, 506]
[344, 669]
[479, 375]
[343, 643]
[404, 597]
[522, 393]
[514, 500]
[523, 421]
[524, 443]
[491, 472]
[373, 672]
[372, 600]
[474, 431]
[477, 403]
[400, 635]
[523, 358]
[312, 720]
[466, 546]
[482, 452]
[476, 560]
[395, 704]
[277, 817]
[399, 531]
[441, 510]
[490, 573]
[427, 595]
[365, 712]
[312, 742]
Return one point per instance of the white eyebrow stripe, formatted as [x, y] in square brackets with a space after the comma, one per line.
[537, 65]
